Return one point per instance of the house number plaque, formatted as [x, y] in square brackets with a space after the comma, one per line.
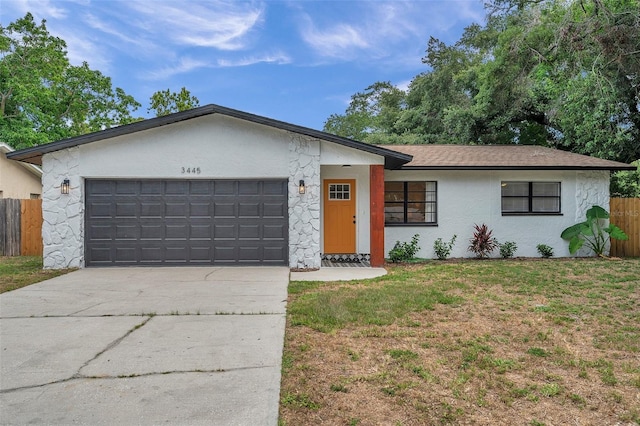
[190, 170]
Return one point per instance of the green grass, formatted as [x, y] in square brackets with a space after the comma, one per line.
[21, 271]
[435, 337]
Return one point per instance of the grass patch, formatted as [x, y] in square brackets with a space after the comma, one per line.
[21, 271]
[433, 343]
[327, 310]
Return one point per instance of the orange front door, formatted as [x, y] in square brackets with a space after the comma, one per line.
[339, 216]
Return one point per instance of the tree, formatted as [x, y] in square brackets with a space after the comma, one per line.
[626, 184]
[165, 102]
[549, 72]
[44, 98]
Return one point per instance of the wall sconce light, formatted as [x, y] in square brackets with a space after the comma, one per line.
[64, 188]
[301, 188]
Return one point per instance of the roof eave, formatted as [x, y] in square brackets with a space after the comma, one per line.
[585, 168]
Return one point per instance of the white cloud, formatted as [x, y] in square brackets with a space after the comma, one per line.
[384, 29]
[338, 41]
[218, 24]
[40, 9]
[183, 66]
[278, 58]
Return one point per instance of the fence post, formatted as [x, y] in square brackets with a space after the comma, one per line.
[10, 232]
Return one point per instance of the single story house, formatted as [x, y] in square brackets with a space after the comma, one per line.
[217, 186]
[18, 180]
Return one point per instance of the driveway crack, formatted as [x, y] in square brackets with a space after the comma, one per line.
[79, 376]
[112, 345]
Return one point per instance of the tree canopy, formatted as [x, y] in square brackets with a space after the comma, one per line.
[165, 102]
[547, 72]
[44, 98]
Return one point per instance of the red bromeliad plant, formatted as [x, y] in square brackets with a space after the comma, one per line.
[482, 243]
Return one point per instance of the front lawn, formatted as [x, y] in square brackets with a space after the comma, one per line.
[21, 271]
[527, 342]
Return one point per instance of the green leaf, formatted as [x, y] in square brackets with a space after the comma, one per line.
[575, 244]
[615, 232]
[572, 231]
[596, 213]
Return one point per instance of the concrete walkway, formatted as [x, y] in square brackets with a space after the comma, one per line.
[339, 274]
[144, 346]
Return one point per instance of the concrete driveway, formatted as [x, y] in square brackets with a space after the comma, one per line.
[196, 345]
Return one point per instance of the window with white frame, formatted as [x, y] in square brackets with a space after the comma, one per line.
[530, 198]
[412, 202]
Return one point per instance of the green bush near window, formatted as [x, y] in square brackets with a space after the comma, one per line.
[442, 249]
[404, 252]
[507, 249]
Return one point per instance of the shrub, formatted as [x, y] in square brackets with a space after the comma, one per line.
[403, 252]
[592, 232]
[507, 249]
[442, 249]
[482, 243]
[544, 250]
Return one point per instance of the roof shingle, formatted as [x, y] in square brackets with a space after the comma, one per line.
[496, 157]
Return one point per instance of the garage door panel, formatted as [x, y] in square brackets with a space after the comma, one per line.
[126, 210]
[248, 188]
[127, 232]
[151, 209]
[248, 210]
[200, 210]
[175, 209]
[177, 232]
[224, 210]
[185, 222]
[150, 187]
[152, 232]
[275, 210]
[224, 188]
[273, 254]
[249, 232]
[99, 232]
[274, 232]
[125, 255]
[100, 209]
[125, 188]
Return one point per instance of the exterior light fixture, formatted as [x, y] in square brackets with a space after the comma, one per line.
[64, 188]
[301, 188]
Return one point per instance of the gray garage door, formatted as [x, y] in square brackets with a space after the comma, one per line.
[186, 222]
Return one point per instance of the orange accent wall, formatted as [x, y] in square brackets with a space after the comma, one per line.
[376, 185]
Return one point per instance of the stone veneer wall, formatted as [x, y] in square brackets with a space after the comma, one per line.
[63, 215]
[304, 209]
[592, 188]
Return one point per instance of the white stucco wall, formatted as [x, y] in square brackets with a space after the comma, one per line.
[62, 214]
[469, 197]
[219, 146]
[304, 209]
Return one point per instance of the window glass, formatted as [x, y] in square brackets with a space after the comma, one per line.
[338, 191]
[410, 202]
[530, 197]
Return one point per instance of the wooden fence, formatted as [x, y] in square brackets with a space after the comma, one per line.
[20, 227]
[625, 213]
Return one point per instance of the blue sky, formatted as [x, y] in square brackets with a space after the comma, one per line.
[296, 61]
